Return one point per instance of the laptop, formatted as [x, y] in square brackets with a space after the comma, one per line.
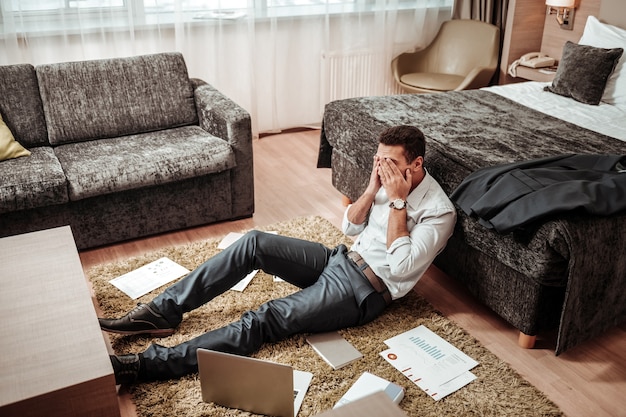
[250, 384]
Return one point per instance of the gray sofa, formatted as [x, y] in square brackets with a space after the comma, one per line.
[121, 148]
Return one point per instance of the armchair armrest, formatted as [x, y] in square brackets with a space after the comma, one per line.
[408, 62]
[478, 77]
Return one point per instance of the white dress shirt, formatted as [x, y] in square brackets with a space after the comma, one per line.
[430, 220]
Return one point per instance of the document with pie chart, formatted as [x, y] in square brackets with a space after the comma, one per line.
[429, 361]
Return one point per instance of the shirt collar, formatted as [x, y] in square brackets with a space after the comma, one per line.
[418, 194]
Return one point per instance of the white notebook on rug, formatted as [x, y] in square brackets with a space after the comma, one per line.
[377, 404]
[368, 384]
[334, 349]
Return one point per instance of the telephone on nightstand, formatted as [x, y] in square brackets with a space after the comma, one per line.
[532, 60]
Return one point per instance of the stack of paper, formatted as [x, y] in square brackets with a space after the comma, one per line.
[432, 363]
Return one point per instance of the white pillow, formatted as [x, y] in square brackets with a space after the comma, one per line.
[602, 35]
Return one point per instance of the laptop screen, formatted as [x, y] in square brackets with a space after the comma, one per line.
[250, 384]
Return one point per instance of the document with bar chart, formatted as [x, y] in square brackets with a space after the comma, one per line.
[433, 364]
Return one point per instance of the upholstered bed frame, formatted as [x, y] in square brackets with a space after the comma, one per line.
[566, 272]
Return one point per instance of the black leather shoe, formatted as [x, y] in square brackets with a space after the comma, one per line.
[143, 319]
[126, 368]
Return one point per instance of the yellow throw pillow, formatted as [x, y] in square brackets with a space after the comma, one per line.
[9, 147]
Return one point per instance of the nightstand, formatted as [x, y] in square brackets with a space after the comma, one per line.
[535, 74]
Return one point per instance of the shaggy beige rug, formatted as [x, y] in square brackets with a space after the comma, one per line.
[498, 390]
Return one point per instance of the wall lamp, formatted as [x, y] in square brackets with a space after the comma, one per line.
[564, 10]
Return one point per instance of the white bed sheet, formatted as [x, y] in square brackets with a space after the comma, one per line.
[605, 118]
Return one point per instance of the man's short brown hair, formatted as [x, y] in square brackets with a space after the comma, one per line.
[409, 137]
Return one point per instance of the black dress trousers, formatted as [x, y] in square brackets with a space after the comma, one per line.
[333, 295]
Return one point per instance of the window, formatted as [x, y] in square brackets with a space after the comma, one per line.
[157, 6]
[49, 16]
[161, 6]
[60, 5]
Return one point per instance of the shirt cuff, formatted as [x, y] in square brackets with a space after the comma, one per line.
[348, 228]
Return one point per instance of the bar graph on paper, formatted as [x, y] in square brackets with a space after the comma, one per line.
[432, 350]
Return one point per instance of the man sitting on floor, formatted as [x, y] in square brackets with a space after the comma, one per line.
[403, 220]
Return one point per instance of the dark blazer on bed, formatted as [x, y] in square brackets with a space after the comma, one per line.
[509, 196]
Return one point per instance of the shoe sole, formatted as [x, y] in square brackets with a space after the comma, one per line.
[152, 333]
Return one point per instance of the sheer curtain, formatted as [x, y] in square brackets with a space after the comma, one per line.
[282, 60]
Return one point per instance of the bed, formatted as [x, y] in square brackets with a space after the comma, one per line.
[566, 271]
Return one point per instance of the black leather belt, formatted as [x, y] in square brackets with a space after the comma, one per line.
[374, 279]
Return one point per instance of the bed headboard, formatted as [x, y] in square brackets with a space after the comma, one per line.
[613, 12]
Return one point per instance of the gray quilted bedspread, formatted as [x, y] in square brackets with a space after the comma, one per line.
[468, 130]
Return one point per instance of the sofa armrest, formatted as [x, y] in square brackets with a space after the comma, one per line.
[220, 116]
[225, 119]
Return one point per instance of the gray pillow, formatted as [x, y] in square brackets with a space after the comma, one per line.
[583, 72]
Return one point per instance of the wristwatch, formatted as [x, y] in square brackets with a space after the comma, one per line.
[398, 204]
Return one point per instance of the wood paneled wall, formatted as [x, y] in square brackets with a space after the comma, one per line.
[613, 12]
[529, 28]
[554, 37]
[523, 33]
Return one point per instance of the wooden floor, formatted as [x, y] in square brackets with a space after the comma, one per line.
[589, 380]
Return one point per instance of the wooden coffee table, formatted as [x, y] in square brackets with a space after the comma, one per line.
[53, 356]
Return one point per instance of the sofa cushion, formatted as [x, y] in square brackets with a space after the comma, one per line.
[20, 104]
[143, 160]
[36, 181]
[115, 97]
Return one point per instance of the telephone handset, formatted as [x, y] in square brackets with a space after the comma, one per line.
[532, 60]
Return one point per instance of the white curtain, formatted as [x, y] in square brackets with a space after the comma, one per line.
[282, 60]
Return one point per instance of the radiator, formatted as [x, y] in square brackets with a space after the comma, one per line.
[356, 74]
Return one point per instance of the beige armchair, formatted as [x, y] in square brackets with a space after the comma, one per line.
[463, 56]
